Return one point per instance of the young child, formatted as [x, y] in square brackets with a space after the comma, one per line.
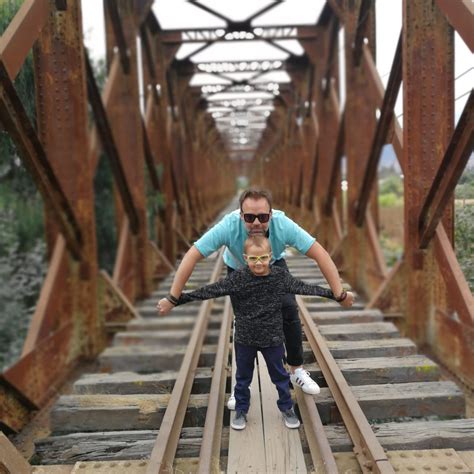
[256, 292]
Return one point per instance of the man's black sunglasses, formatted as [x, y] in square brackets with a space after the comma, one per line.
[263, 218]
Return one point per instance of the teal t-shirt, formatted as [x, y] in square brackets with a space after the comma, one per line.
[230, 231]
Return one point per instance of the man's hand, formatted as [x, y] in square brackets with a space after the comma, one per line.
[348, 300]
[164, 306]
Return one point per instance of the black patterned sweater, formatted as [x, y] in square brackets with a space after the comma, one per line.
[257, 302]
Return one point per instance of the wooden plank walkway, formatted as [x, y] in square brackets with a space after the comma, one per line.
[115, 416]
[247, 447]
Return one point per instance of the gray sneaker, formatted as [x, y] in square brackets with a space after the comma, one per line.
[239, 422]
[290, 418]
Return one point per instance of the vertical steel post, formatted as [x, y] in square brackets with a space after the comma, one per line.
[428, 111]
[62, 125]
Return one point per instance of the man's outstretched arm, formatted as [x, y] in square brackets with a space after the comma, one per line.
[329, 270]
[184, 271]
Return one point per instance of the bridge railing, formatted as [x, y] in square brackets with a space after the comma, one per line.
[426, 287]
[62, 153]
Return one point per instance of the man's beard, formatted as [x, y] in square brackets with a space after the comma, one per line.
[257, 231]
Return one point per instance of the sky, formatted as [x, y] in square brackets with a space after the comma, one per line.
[389, 17]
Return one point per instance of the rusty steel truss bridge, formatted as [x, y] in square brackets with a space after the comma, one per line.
[297, 138]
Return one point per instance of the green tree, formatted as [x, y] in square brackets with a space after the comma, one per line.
[464, 241]
[22, 246]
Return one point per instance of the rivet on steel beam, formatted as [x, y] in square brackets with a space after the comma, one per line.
[61, 5]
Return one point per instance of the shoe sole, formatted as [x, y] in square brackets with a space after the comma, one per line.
[311, 392]
[292, 427]
[238, 428]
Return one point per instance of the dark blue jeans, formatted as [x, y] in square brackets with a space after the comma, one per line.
[245, 357]
[291, 324]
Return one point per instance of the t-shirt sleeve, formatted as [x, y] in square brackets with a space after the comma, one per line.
[298, 287]
[214, 290]
[296, 236]
[214, 238]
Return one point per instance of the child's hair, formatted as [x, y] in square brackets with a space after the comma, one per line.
[259, 241]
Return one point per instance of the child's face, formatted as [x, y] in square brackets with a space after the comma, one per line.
[258, 260]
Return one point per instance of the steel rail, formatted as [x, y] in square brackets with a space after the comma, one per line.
[166, 443]
[318, 443]
[369, 452]
[209, 456]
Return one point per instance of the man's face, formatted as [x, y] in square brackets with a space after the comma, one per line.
[256, 207]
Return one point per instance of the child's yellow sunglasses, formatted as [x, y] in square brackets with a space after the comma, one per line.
[255, 258]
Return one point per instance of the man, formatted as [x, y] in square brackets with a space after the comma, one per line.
[256, 217]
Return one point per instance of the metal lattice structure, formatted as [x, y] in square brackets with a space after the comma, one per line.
[294, 141]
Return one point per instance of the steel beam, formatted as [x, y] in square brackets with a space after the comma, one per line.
[455, 159]
[428, 87]
[22, 32]
[362, 24]
[381, 132]
[460, 14]
[16, 122]
[110, 148]
[124, 52]
[336, 167]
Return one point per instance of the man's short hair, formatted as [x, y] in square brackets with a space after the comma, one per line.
[259, 241]
[256, 193]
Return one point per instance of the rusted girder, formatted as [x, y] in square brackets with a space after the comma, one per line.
[110, 148]
[331, 54]
[149, 159]
[22, 32]
[362, 22]
[11, 460]
[460, 14]
[119, 35]
[146, 48]
[383, 126]
[15, 407]
[450, 169]
[336, 166]
[16, 122]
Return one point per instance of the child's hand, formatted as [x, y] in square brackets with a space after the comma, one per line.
[348, 300]
[164, 307]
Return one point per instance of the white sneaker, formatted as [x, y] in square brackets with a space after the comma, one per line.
[231, 402]
[302, 378]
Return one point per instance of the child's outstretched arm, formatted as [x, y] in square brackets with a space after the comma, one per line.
[214, 290]
[298, 287]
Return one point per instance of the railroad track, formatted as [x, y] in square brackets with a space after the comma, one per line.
[162, 387]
